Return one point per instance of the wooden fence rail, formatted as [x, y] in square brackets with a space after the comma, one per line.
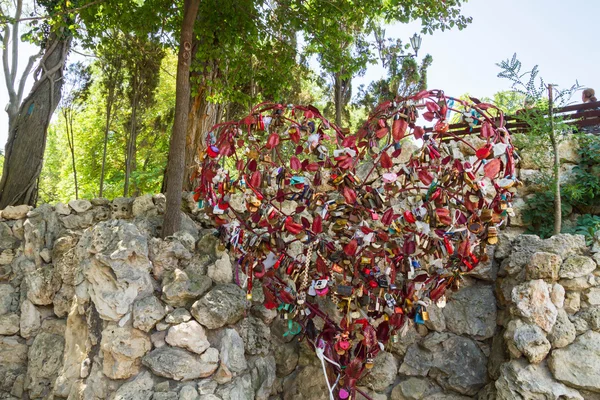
[585, 115]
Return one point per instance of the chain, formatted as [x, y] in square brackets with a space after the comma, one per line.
[304, 284]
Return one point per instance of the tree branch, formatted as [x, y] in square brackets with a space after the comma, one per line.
[70, 10]
[25, 74]
[10, 83]
[15, 42]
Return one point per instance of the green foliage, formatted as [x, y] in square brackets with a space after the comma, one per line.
[587, 225]
[540, 206]
[581, 194]
[530, 84]
[56, 183]
[584, 188]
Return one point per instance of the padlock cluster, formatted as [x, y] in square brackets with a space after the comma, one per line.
[315, 214]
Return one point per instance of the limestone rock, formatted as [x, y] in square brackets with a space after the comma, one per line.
[160, 201]
[189, 335]
[564, 245]
[522, 248]
[526, 339]
[372, 395]
[256, 335]
[519, 380]
[166, 255]
[239, 388]
[78, 221]
[67, 267]
[143, 206]
[206, 386]
[179, 364]
[557, 295]
[572, 302]
[180, 290]
[138, 389]
[263, 376]
[13, 361]
[505, 243]
[164, 396]
[383, 373]
[591, 316]
[437, 321]
[80, 206]
[209, 397]
[158, 338]
[232, 351]
[498, 356]
[266, 315]
[15, 212]
[306, 384]
[578, 364]
[407, 337]
[472, 311]
[42, 284]
[563, 333]
[222, 270]
[7, 239]
[577, 266]
[223, 305]
[592, 296]
[147, 312]
[44, 360]
[121, 207]
[8, 298]
[9, 324]
[188, 393]
[414, 388]
[114, 259]
[31, 319]
[580, 283]
[62, 209]
[178, 316]
[455, 362]
[75, 355]
[123, 349]
[532, 302]
[543, 265]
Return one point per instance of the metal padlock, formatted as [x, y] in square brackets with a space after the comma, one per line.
[424, 314]
[321, 284]
[343, 290]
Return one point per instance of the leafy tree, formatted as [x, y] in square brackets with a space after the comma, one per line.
[110, 62]
[77, 82]
[405, 75]
[142, 72]
[341, 42]
[543, 127]
[29, 117]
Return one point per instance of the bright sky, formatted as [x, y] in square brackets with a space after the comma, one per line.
[561, 37]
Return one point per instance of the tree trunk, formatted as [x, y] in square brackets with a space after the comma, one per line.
[337, 98]
[202, 117]
[24, 151]
[556, 166]
[109, 104]
[68, 115]
[131, 144]
[176, 163]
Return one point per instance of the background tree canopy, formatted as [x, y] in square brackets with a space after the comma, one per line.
[116, 137]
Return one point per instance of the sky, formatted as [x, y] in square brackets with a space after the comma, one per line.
[561, 37]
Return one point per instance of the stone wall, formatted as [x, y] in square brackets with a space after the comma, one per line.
[93, 305]
[549, 344]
